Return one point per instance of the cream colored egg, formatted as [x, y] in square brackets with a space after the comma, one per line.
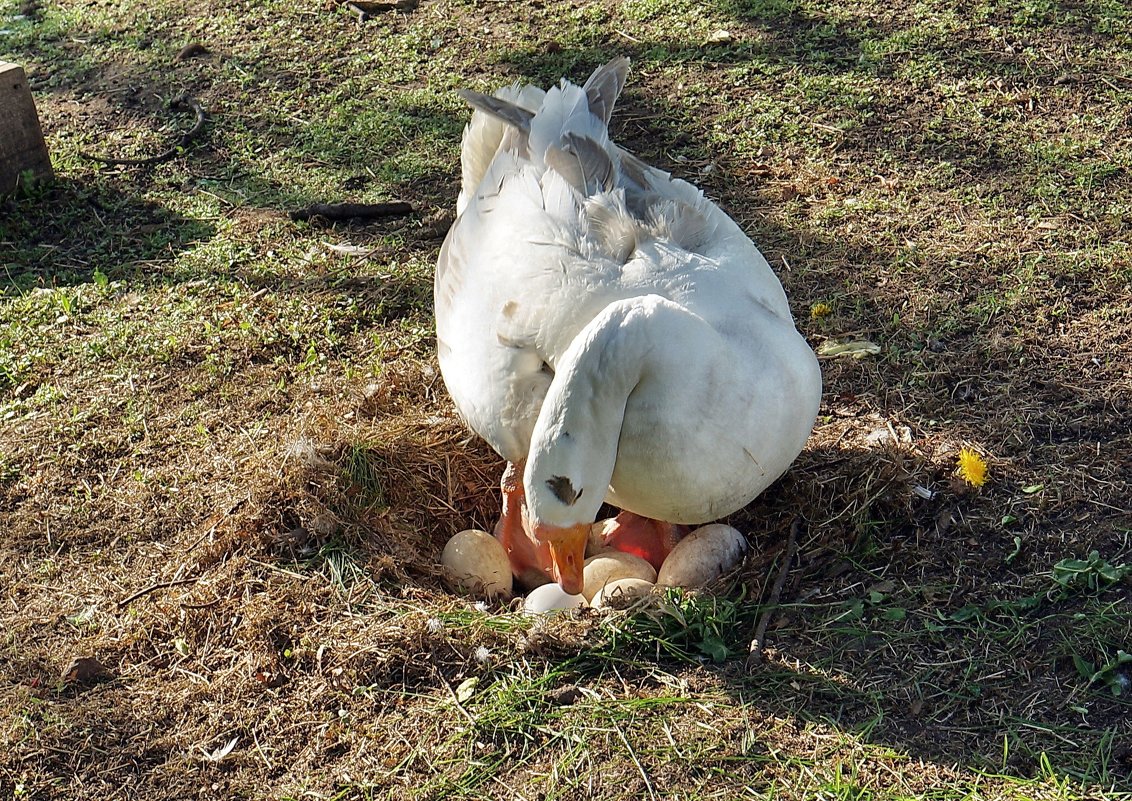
[551, 597]
[609, 566]
[477, 563]
[702, 556]
[621, 592]
[595, 544]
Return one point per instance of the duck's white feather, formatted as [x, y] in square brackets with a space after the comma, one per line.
[608, 323]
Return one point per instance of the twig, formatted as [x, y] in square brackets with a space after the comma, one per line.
[184, 140]
[758, 642]
[215, 522]
[207, 605]
[363, 15]
[278, 569]
[455, 698]
[349, 211]
[260, 750]
[367, 8]
[154, 587]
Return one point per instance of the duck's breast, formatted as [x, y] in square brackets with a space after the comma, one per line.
[703, 438]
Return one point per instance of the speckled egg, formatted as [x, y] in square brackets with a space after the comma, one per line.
[702, 556]
[621, 592]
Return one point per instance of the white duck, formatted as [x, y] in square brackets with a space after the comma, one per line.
[610, 332]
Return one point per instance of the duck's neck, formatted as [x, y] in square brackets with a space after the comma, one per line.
[634, 342]
[578, 428]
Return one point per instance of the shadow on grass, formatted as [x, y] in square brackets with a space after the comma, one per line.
[65, 232]
[897, 629]
[255, 156]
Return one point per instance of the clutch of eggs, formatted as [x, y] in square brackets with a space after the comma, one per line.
[476, 562]
[616, 579]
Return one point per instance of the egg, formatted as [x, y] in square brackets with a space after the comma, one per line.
[621, 592]
[551, 597]
[476, 562]
[609, 566]
[703, 556]
[595, 544]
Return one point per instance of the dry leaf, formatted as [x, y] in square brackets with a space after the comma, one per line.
[347, 249]
[466, 689]
[83, 670]
[191, 50]
[857, 348]
[565, 696]
[270, 678]
[789, 192]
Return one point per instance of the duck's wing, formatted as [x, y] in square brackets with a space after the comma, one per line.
[496, 376]
[502, 287]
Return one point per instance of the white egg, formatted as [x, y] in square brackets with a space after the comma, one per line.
[609, 566]
[477, 563]
[621, 592]
[703, 556]
[550, 597]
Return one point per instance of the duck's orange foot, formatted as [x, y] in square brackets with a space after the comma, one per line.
[530, 561]
[652, 540]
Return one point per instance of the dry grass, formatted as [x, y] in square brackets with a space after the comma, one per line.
[228, 464]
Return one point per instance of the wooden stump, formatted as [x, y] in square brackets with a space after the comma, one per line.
[22, 150]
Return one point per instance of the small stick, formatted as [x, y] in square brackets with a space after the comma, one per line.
[455, 698]
[201, 606]
[183, 141]
[154, 587]
[349, 211]
[367, 8]
[758, 642]
[208, 531]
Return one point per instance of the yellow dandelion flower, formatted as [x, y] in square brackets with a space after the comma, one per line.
[972, 468]
[820, 309]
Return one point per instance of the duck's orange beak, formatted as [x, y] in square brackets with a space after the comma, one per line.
[567, 553]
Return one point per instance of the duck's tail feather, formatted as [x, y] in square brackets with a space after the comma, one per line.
[682, 223]
[611, 229]
[503, 110]
[489, 127]
[584, 163]
[565, 110]
[604, 87]
[564, 129]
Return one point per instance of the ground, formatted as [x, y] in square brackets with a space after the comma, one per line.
[228, 463]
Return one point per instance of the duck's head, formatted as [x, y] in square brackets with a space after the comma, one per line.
[573, 449]
[560, 509]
